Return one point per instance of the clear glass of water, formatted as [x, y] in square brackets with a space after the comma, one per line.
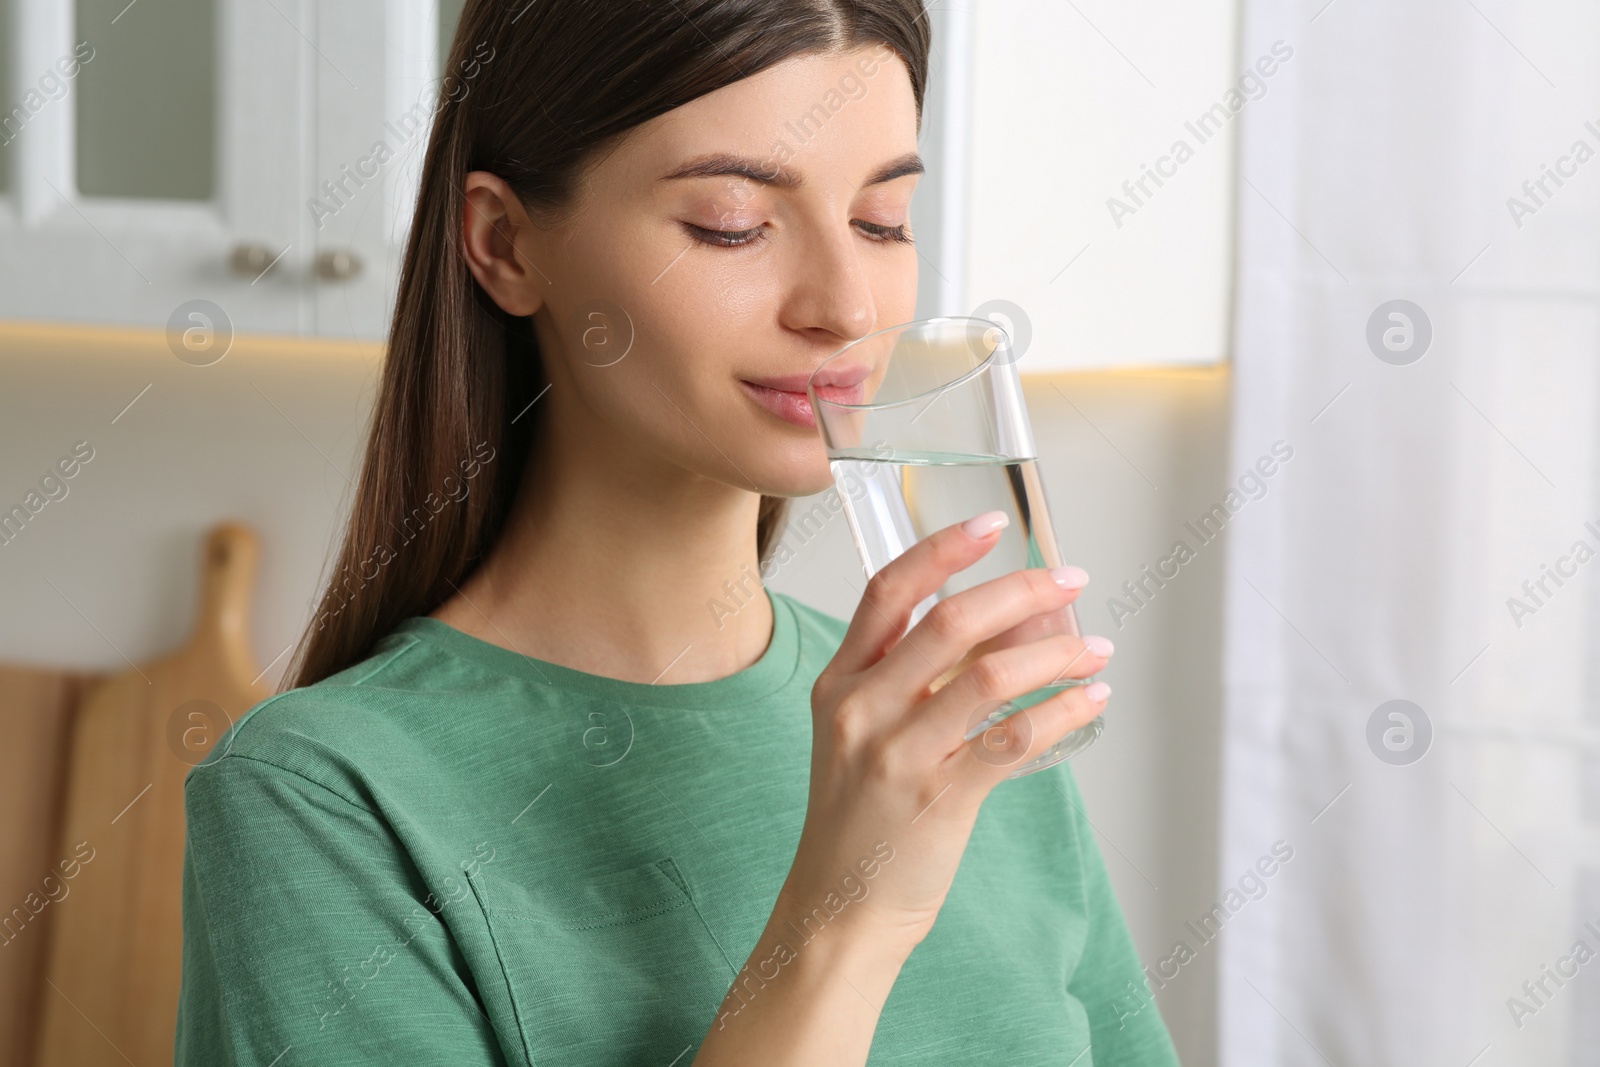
[924, 426]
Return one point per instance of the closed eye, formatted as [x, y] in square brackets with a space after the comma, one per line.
[740, 238]
[725, 238]
[898, 234]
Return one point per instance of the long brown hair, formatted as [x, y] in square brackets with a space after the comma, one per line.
[535, 88]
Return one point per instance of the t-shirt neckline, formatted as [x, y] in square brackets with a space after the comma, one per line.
[765, 676]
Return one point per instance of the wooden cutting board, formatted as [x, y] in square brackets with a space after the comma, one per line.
[110, 990]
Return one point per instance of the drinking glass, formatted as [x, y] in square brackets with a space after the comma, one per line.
[924, 425]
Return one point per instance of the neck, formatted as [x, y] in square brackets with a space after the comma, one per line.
[640, 571]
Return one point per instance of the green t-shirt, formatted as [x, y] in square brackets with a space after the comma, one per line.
[451, 853]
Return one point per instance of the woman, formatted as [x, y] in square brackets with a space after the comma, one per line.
[544, 792]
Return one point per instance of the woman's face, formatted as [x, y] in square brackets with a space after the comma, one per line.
[737, 240]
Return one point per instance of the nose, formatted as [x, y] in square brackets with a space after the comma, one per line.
[830, 294]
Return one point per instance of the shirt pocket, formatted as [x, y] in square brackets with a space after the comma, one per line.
[620, 969]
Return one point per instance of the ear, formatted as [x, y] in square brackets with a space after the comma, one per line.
[499, 241]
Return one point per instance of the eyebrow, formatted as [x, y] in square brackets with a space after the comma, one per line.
[723, 164]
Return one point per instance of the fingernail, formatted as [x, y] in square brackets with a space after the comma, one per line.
[986, 524]
[1097, 692]
[1100, 646]
[1070, 577]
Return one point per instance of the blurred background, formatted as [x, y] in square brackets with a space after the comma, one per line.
[1306, 292]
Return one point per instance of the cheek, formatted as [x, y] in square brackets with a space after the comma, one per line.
[724, 295]
[717, 292]
[652, 361]
[895, 290]
[697, 327]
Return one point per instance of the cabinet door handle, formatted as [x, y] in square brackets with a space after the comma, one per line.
[337, 265]
[250, 260]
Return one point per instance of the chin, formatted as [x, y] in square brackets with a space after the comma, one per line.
[791, 470]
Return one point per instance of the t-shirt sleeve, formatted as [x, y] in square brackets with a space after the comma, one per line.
[304, 929]
[1125, 1028]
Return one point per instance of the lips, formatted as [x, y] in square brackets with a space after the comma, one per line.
[786, 396]
[789, 406]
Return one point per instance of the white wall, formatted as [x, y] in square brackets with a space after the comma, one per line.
[112, 570]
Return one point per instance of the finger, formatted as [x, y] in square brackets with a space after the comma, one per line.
[997, 677]
[956, 625]
[884, 614]
[1025, 736]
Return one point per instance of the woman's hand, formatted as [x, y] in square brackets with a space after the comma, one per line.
[890, 771]
[895, 791]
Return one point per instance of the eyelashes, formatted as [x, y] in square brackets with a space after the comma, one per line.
[725, 238]
[897, 234]
[742, 238]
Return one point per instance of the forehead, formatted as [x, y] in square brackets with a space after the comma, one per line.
[812, 116]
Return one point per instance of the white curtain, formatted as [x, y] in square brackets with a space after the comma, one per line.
[1434, 539]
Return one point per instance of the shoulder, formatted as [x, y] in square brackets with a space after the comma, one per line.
[323, 733]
